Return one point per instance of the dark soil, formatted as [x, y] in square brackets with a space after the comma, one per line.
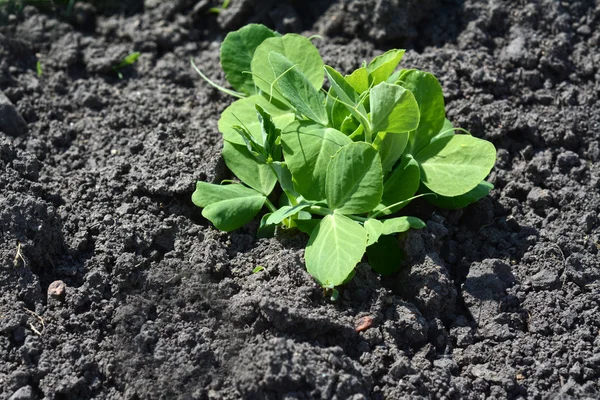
[500, 300]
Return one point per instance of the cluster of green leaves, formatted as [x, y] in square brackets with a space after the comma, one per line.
[346, 159]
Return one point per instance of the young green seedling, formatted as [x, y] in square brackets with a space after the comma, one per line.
[339, 163]
[125, 62]
[217, 10]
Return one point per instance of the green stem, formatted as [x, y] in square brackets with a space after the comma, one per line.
[401, 203]
[324, 211]
[270, 205]
[216, 86]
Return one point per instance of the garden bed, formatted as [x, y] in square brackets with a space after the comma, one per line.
[499, 300]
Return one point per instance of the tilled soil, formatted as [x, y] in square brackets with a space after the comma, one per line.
[500, 300]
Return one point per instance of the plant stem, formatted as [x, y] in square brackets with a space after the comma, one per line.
[324, 211]
[270, 205]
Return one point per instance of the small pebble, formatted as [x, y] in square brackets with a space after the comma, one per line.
[57, 289]
[363, 323]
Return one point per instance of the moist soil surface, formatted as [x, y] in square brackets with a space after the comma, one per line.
[499, 300]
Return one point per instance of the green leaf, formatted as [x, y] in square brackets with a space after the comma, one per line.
[349, 125]
[245, 166]
[374, 228]
[307, 225]
[336, 245]
[393, 109]
[237, 51]
[228, 207]
[401, 224]
[428, 93]
[453, 203]
[285, 212]
[128, 60]
[307, 149]
[257, 269]
[336, 111]
[255, 148]
[265, 230]
[446, 131]
[243, 111]
[271, 135]
[354, 181]
[383, 66]
[385, 256]
[296, 88]
[455, 165]
[359, 80]
[346, 93]
[390, 146]
[299, 50]
[401, 185]
[284, 176]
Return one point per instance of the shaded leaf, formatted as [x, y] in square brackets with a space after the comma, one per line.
[401, 185]
[354, 182]
[453, 203]
[237, 51]
[385, 256]
[228, 207]
[390, 147]
[265, 230]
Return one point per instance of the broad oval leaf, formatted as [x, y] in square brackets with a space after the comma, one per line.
[354, 181]
[390, 147]
[401, 224]
[336, 245]
[296, 88]
[244, 111]
[307, 149]
[243, 164]
[454, 203]
[228, 207]
[455, 165]
[383, 66]
[299, 50]
[237, 51]
[430, 98]
[401, 185]
[393, 109]
[374, 228]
